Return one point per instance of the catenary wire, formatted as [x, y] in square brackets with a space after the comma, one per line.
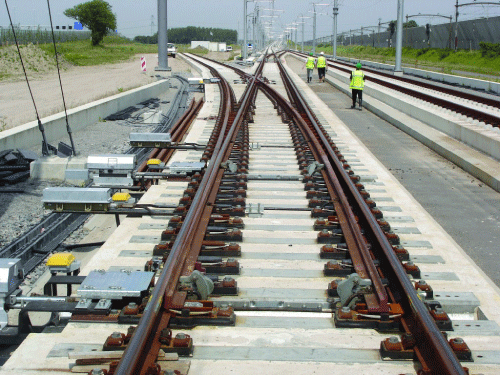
[60, 83]
[45, 150]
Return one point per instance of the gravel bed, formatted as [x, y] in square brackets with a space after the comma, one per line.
[20, 211]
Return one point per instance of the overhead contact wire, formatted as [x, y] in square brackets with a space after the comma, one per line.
[60, 83]
[45, 150]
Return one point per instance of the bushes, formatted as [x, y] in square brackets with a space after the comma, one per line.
[444, 53]
[422, 51]
[490, 50]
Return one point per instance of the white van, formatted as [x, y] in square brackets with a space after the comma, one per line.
[229, 48]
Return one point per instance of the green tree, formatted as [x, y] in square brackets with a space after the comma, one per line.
[95, 15]
[409, 24]
[184, 35]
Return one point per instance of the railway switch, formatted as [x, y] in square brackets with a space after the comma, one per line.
[199, 283]
[350, 288]
[314, 168]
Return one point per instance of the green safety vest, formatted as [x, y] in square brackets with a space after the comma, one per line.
[357, 82]
[310, 62]
[321, 62]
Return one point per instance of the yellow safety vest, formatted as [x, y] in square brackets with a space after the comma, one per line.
[310, 62]
[357, 82]
[321, 62]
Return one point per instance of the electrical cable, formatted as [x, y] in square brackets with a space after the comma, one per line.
[45, 150]
[60, 83]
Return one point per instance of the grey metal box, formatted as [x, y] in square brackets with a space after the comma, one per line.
[159, 140]
[111, 162]
[186, 167]
[115, 285]
[195, 80]
[76, 195]
[9, 274]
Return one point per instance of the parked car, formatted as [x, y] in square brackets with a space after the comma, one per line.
[229, 48]
[171, 50]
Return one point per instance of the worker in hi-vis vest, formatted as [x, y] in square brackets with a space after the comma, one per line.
[321, 67]
[357, 85]
[310, 62]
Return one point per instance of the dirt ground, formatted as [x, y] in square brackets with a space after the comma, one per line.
[81, 85]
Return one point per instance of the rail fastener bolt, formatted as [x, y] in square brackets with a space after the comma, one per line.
[461, 349]
[393, 348]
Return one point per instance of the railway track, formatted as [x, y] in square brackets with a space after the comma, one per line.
[305, 272]
[33, 246]
[481, 108]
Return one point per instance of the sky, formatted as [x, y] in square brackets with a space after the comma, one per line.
[139, 17]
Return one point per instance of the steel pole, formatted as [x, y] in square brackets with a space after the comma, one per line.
[303, 36]
[335, 14]
[244, 52]
[456, 26]
[399, 39]
[253, 30]
[314, 30]
[162, 37]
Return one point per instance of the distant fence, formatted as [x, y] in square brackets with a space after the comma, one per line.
[470, 34]
[26, 35]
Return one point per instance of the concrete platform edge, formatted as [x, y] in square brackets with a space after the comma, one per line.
[28, 135]
[474, 83]
[477, 165]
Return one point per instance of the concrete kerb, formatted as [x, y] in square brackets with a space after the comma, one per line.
[198, 67]
[472, 161]
[28, 135]
[474, 83]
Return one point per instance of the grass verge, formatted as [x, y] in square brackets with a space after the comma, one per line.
[112, 50]
[443, 60]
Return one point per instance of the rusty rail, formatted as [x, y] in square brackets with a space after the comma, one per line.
[143, 348]
[432, 349]
[459, 108]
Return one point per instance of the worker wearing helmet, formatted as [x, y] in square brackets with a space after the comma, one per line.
[321, 67]
[310, 62]
[357, 85]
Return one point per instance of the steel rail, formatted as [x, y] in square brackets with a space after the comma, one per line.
[33, 245]
[458, 108]
[360, 254]
[446, 90]
[432, 347]
[136, 356]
